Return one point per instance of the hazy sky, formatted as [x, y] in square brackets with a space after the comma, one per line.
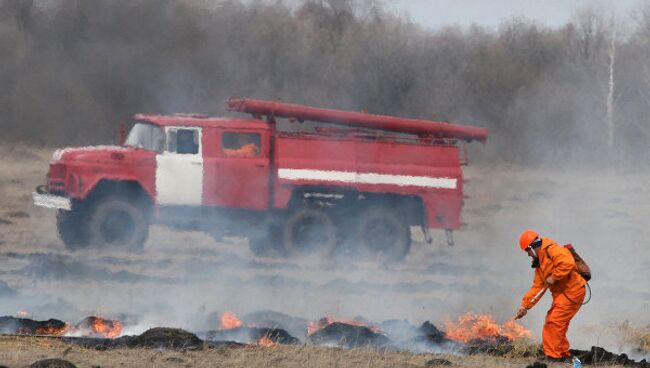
[489, 13]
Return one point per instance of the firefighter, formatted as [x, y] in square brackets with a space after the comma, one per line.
[555, 269]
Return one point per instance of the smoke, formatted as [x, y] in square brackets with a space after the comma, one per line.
[71, 70]
[542, 91]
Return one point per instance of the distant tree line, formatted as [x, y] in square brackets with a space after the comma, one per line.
[70, 70]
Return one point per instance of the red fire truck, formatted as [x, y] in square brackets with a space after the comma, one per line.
[348, 181]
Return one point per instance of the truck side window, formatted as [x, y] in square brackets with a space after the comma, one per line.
[235, 144]
[183, 141]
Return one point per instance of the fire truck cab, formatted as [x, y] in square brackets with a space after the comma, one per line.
[350, 185]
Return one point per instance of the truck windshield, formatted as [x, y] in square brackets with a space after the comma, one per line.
[146, 136]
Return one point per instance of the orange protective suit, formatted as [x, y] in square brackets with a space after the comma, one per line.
[247, 150]
[568, 293]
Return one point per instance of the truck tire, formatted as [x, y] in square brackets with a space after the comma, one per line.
[309, 230]
[118, 222]
[72, 228]
[382, 233]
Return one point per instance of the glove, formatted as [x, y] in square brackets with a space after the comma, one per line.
[521, 313]
[550, 280]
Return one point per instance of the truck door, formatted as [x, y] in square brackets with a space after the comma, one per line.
[179, 168]
[241, 170]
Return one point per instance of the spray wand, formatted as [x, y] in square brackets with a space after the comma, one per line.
[534, 301]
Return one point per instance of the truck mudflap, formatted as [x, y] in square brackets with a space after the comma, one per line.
[51, 201]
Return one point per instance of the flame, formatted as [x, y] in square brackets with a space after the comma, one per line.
[512, 330]
[229, 321]
[265, 341]
[106, 328]
[482, 326]
[99, 327]
[51, 330]
[328, 320]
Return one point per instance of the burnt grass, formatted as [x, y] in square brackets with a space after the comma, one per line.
[26, 326]
[52, 363]
[59, 267]
[251, 335]
[501, 346]
[154, 338]
[598, 355]
[164, 337]
[345, 335]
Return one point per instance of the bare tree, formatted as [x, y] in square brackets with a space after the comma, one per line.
[611, 86]
[590, 35]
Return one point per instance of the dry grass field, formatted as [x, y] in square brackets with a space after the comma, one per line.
[20, 352]
[181, 278]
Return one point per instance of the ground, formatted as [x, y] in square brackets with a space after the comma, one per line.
[182, 277]
[19, 352]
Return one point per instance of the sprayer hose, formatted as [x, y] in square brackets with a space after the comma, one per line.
[588, 288]
[588, 299]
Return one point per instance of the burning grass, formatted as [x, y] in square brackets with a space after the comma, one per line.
[229, 321]
[88, 327]
[471, 326]
[232, 329]
[471, 334]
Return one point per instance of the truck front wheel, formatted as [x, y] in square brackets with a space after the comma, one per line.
[309, 230]
[72, 228]
[384, 234]
[118, 222]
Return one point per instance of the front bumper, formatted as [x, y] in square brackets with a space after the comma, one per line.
[51, 201]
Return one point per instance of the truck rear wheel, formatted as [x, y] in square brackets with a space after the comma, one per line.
[384, 234]
[72, 228]
[118, 222]
[309, 230]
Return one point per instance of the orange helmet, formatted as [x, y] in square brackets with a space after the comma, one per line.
[526, 238]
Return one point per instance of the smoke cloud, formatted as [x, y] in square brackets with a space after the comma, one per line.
[70, 70]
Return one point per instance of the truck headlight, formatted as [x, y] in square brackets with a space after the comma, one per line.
[56, 156]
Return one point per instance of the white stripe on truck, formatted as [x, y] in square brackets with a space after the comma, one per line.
[367, 178]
